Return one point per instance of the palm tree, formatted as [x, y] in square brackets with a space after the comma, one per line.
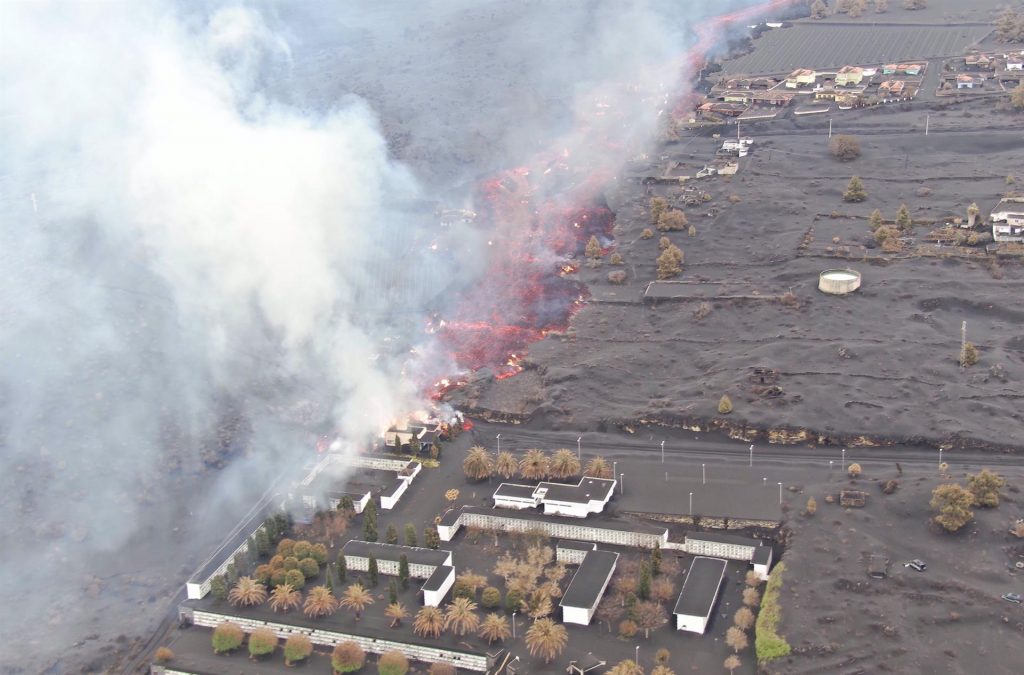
[662, 670]
[478, 463]
[429, 622]
[284, 598]
[494, 627]
[320, 602]
[396, 611]
[598, 468]
[247, 592]
[534, 466]
[627, 667]
[732, 662]
[546, 639]
[460, 616]
[564, 464]
[357, 599]
[506, 465]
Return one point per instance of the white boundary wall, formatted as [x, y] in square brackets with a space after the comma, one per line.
[328, 638]
[581, 532]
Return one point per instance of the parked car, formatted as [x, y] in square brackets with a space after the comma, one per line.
[1012, 597]
[916, 564]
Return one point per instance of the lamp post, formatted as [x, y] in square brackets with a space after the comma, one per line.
[780, 494]
[663, 452]
[940, 456]
[691, 503]
[764, 481]
[514, 624]
[844, 459]
[703, 474]
[615, 470]
[637, 659]
[579, 448]
[499, 443]
[751, 454]
[622, 483]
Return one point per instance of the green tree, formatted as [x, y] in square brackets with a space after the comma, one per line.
[297, 648]
[348, 657]
[410, 534]
[370, 522]
[643, 587]
[954, 506]
[392, 591]
[403, 571]
[819, 10]
[295, 578]
[490, 598]
[656, 560]
[875, 221]
[342, 569]
[262, 642]
[392, 663]
[903, 221]
[431, 538]
[227, 637]
[855, 191]
[346, 505]
[391, 534]
[985, 486]
[219, 587]
[309, 568]
[513, 600]
[262, 542]
[372, 570]
[593, 249]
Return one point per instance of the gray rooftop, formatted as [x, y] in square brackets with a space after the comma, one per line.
[574, 545]
[588, 582]
[381, 551]
[436, 578]
[583, 492]
[762, 555]
[515, 491]
[596, 521]
[700, 590]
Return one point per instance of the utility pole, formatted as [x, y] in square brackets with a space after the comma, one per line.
[927, 119]
[780, 494]
[691, 503]
[751, 454]
[499, 443]
[703, 474]
[663, 452]
[830, 128]
[579, 448]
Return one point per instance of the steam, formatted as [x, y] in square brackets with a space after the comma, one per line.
[209, 253]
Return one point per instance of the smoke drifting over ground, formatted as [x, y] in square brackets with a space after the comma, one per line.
[201, 218]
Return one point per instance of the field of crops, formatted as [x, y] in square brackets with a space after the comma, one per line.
[817, 46]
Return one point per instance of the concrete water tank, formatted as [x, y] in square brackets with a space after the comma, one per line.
[839, 282]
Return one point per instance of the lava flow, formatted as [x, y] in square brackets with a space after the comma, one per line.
[541, 218]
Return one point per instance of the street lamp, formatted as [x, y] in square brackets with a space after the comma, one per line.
[703, 475]
[615, 470]
[579, 448]
[637, 659]
[622, 483]
[499, 443]
[514, 624]
[691, 503]
[663, 452]
[844, 459]
[940, 456]
[764, 481]
[780, 494]
[751, 454]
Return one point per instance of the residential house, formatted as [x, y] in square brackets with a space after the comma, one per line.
[890, 69]
[978, 61]
[799, 77]
[1015, 61]
[910, 68]
[779, 98]
[849, 75]
[891, 88]
[737, 96]
[965, 81]
[1008, 220]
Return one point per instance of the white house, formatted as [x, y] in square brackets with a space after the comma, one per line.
[588, 496]
[587, 587]
[1008, 220]
[1015, 61]
[700, 592]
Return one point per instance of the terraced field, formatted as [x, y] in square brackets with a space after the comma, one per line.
[828, 46]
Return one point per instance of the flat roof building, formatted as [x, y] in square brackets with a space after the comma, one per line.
[762, 561]
[731, 546]
[588, 496]
[699, 594]
[572, 552]
[437, 585]
[424, 563]
[587, 587]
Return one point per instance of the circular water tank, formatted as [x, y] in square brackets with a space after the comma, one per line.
[839, 282]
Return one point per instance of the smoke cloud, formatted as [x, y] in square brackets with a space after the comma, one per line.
[210, 252]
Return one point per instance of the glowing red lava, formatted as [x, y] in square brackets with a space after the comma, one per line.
[535, 229]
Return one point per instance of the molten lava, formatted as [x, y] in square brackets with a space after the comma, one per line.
[542, 217]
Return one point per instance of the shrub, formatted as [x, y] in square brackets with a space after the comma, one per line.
[664, 243]
[648, 233]
[889, 486]
[670, 262]
[628, 628]
[392, 663]
[854, 470]
[968, 355]
[812, 506]
[617, 277]
[844, 148]
[734, 199]
[262, 642]
[347, 657]
[309, 568]
[692, 231]
[295, 578]
[297, 648]
[226, 637]
[658, 206]
[490, 598]
[768, 643]
[615, 259]
[724, 405]
[672, 220]
[163, 655]
[985, 486]
[593, 248]
[290, 563]
[855, 191]
[954, 506]
[286, 547]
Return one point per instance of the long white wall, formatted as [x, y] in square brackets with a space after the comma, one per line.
[328, 638]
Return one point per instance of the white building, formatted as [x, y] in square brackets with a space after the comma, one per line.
[1008, 220]
[699, 594]
[739, 147]
[602, 531]
[762, 562]
[587, 587]
[730, 546]
[588, 496]
[1015, 61]
[572, 552]
[437, 585]
[422, 561]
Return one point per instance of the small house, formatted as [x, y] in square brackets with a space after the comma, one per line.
[890, 69]
[849, 75]
[799, 77]
[699, 594]
[1015, 62]
[965, 81]
[910, 68]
